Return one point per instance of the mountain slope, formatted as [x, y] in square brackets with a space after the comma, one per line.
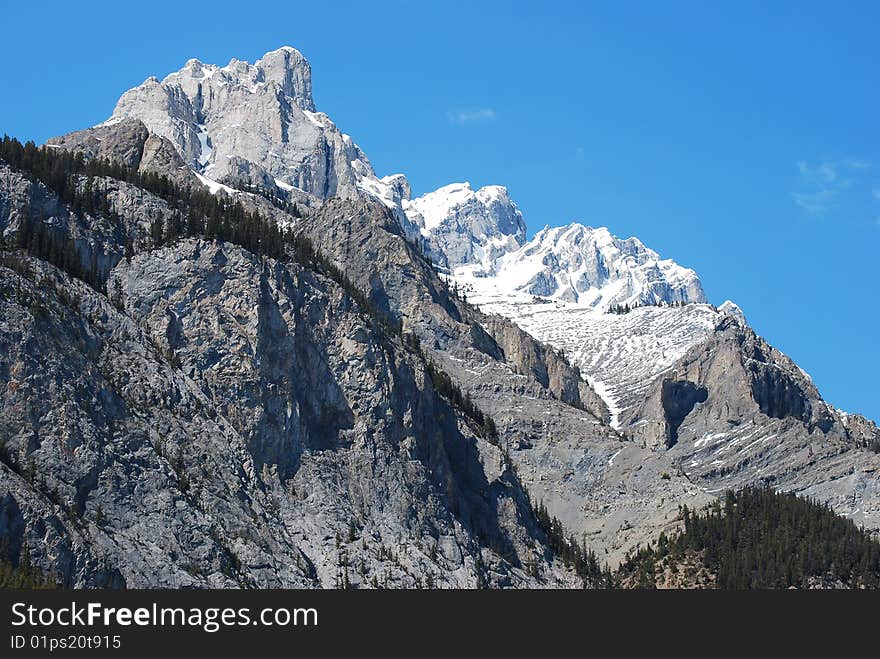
[679, 376]
[221, 418]
[275, 376]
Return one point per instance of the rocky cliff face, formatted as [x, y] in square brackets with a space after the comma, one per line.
[256, 124]
[734, 411]
[129, 143]
[460, 225]
[218, 419]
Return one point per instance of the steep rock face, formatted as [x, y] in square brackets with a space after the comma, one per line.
[366, 242]
[621, 355]
[217, 419]
[129, 143]
[740, 412]
[603, 488]
[544, 365]
[462, 226]
[255, 124]
[678, 398]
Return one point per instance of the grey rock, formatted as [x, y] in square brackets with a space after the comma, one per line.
[129, 143]
[221, 420]
[256, 123]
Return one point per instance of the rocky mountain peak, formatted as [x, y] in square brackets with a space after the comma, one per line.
[246, 125]
[292, 72]
[586, 266]
[462, 225]
[730, 308]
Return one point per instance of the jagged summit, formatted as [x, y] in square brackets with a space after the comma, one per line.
[246, 125]
[584, 266]
[249, 125]
[462, 225]
[732, 309]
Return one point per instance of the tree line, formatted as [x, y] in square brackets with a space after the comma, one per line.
[620, 309]
[574, 554]
[758, 538]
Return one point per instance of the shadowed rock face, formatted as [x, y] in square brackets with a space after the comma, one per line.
[678, 399]
[218, 419]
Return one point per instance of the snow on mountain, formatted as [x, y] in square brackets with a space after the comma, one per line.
[584, 266]
[619, 354]
[558, 285]
[256, 124]
[461, 225]
[244, 125]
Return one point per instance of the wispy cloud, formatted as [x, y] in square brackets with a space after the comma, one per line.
[821, 185]
[473, 114]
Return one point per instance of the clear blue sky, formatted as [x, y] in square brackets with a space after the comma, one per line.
[741, 141]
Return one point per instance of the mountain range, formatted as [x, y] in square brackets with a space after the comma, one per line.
[234, 356]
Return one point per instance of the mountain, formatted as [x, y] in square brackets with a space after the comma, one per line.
[183, 411]
[256, 125]
[479, 237]
[460, 225]
[676, 374]
[235, 356]
[583, 266]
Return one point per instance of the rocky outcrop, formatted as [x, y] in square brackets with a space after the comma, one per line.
[460, 225]
[678, 398]
[255, 124]
[218, 419]
[129, 143]
[734, 411]
[366, 242]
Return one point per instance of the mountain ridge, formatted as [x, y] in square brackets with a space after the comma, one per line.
[302, 401]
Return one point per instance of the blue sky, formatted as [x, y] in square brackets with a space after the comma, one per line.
[741, 140]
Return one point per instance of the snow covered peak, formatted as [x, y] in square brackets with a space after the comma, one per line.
[256, 124]
[585, 266]
[732, 309]
[462, 225]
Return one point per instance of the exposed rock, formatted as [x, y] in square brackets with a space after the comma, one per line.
[219, 419]
[602, 488]
[460, 225]
[740, 413]
[129, 143]
[577, 265]
[256, 123]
